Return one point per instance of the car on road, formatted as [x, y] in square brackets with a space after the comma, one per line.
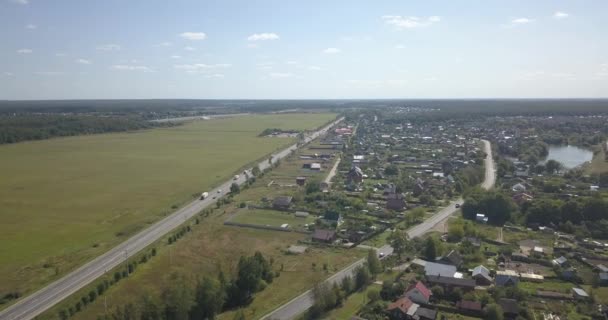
[457, 205]
[219, 190]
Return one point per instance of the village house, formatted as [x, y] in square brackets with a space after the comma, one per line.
[482, 276]
[425, 314]
[506, 278]
[561, 261]
[580, 294]
[472, 308]
[418, 293]
[395, 202]
[323, 235]
[300, 181]
[402, 309]
[481, 218]
[452, 258]
[282, 202]
[509, 307]
[438, 269]
[354, 175]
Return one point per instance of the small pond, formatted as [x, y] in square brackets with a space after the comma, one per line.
[569, 156]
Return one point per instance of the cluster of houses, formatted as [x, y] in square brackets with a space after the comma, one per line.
[444, 272]
[427, 154]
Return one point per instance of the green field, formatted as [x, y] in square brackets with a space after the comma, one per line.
[272, 218]
[67, 200]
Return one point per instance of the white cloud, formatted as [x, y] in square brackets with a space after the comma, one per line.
[176, 57]
[164, 44]
[291, 62]
[201, 67]
[20, 1]
[332, 50]
[263, 37]
[281, 75]
[315, 68]
[411, 22]
[109, 47]
[560, 15]
[193, 35]
[519, 22]
[189, 49]
[8, 74]
[31, 26]
[25, 51]
[125, 67]
[60, 54]
[252, 45]
[400, 46]
[83, 61]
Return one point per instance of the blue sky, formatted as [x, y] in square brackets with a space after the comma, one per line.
[84, 49]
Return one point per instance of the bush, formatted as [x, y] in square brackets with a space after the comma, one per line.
[92, 295]
[373, 295]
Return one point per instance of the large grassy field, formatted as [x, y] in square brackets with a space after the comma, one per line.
[64, 201]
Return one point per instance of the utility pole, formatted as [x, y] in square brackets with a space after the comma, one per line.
[105, 298]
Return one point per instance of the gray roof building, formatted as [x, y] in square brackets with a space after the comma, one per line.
[438, 269]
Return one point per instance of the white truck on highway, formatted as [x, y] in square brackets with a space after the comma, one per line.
[236, 177]
[204, 195]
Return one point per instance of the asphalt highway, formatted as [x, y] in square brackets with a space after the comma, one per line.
[36, 303]
[303, 302]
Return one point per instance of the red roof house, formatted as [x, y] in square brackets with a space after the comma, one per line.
[418, 293]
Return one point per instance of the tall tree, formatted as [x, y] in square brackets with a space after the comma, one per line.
[373, 263]
[178, 298]
[149, 308]
[553, 166]
[362, 277]
[209, 299]
[400, 242]
[430, 249]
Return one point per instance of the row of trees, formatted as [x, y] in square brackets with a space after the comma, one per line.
[104, 285]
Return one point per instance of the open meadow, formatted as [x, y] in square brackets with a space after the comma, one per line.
[67, 200]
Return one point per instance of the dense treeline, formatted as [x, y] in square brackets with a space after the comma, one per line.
[206, 298]
[583, 216]
[38, 127]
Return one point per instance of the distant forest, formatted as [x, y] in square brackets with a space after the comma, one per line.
[36, 120]
[160, 108]
[37, 127]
